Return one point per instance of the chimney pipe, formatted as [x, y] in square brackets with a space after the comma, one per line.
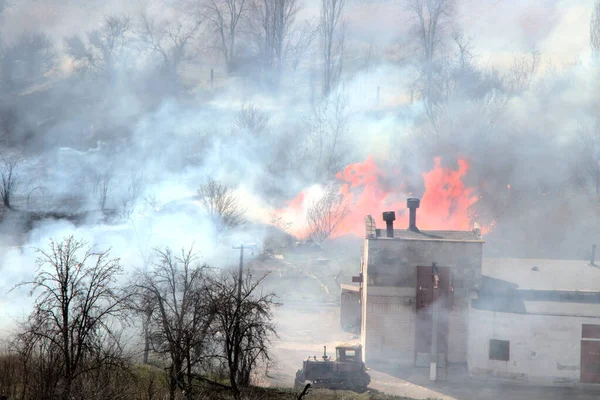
[389, 217]
[413, 204]
[593, 260]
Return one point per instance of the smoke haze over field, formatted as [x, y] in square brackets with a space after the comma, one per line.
[126, 120]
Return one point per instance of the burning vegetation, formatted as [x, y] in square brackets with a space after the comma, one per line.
[279, 125]
[364, 188]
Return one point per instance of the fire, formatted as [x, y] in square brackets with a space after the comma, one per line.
[445, 204]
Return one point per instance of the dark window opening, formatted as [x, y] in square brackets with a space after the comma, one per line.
[345, 354]
[590, 331]
[499, 350]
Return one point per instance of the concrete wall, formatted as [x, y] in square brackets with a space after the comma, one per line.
[458, 331]
[390, 335]
[542, 347]
[350, 310]
[392, 262]
[389, 295]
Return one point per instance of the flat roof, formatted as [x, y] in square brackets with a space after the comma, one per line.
[350, 288]
[459, 236]
[540, 274]
[349, 345]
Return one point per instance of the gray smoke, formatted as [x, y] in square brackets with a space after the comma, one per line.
[152, 137]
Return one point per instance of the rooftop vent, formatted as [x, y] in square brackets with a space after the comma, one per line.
[389, 217]
[412, 205]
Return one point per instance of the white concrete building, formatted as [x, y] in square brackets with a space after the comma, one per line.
[535, 320]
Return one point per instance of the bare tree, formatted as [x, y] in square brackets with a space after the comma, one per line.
[102, 51]
[173, 299]
[328, 130]
[325, 215]
[41, 364]
[522, 71]
[277, 221]
[27, 60]
[587, 166]
[273, 22]
[332, 31]
[10, 178]
[300, 42]
[431, 20]
[77, 307]
[252, 120]
[226, 18]
[464, 49]
[222, 205]
[243, 325]
[134, 191]
[171, 41]
[101, 183]
[595, 29]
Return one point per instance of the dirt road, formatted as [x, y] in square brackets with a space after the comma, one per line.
[304, 331]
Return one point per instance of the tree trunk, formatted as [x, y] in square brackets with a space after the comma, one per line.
[146, 342]
[172, 385]
[67, 389]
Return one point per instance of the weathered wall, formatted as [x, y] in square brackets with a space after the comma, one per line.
[389, 295]
[458, 331]
[364, 262]
[350, 310]
[542, 347]
[392, 262]
[390, 326]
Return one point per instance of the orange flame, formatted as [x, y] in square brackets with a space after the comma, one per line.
[445, 204]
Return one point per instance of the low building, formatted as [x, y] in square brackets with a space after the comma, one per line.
[516, 318]
[537, 320]
[350, 308]
[398, 268]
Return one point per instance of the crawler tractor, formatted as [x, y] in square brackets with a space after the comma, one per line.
[347, 371]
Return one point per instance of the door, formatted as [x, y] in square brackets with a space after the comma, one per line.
[590, 354]
[427, 294]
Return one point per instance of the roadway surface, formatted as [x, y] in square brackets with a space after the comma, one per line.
[304, 331]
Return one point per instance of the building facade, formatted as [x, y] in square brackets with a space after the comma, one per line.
[404, 274]
[524, 319]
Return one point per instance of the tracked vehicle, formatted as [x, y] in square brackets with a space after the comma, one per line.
[347, 371]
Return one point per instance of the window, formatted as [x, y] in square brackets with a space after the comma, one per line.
[345, 354]
[499, 350]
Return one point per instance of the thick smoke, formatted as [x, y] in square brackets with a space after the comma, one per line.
[148, 138]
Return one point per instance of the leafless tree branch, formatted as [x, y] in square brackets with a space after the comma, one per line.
[325, 215]
[222, 205]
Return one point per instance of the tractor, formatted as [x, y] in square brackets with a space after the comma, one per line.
[346, 372]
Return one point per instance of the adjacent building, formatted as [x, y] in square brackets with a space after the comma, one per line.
[517, 318]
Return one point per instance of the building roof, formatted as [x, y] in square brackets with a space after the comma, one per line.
[349, 345]
[459, 236]
[548, 275]
[350, 288]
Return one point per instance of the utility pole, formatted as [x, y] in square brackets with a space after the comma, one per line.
[434, 328]
[236, 330]
[241, 269]
[240, 272]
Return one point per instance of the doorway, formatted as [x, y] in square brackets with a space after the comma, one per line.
[433, 284]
